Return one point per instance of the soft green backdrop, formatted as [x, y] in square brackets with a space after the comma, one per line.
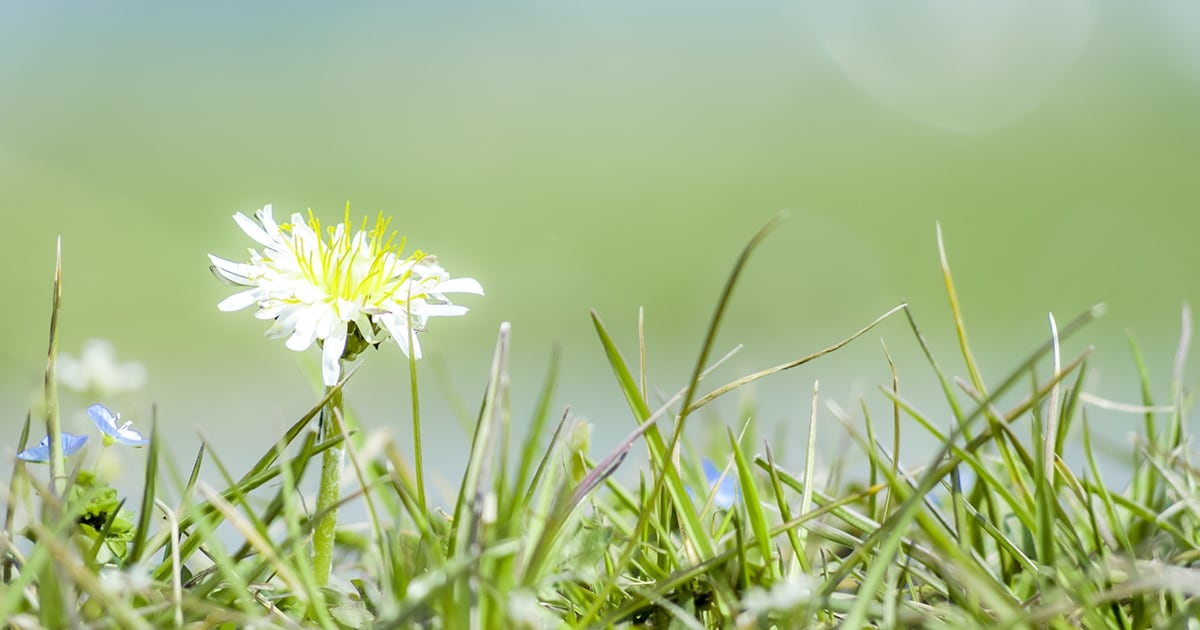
[606, 155]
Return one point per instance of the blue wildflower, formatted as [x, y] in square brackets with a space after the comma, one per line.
[107, 421]
[41, 453]
[724, 494]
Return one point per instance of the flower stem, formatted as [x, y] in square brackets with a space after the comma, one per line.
[416, 423]
[327, 499]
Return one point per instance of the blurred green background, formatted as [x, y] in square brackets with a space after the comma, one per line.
[600, 155]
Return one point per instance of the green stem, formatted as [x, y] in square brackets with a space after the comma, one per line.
[416, 423]
[58, 463]
[53, 592]
[327, 499]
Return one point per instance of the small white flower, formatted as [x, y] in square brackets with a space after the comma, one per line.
[789, 594]
[353, 286]
[526, 612]
[97, 370]
[123, 581]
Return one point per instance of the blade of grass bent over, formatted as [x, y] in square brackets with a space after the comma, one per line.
[176, 575]
[1046, 505]
[968, 357]
[955, 309]
[746, 380]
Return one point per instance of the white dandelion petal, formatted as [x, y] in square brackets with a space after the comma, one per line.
[268, 222]
[285, 323]
[442, 310]
[252, 229]
[459, 285]
[331, 356]
[236, 273]
[415, 350]
[305, 332]
[398, 327]
[269, 309]
[239, 301]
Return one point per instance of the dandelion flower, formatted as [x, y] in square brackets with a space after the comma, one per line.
[345, 290]
[71, 444]
[109, 425]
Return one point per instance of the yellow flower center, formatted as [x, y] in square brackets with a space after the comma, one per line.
[356, 266]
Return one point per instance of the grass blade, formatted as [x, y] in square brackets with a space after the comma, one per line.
[752, 504]
[149, 492]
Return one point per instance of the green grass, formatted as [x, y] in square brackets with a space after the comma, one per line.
[994, 531]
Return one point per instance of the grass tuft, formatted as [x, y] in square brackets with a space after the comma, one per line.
[997, 529]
